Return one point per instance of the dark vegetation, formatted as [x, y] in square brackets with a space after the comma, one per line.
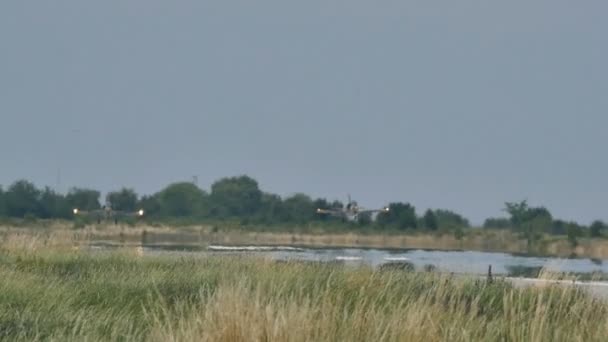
[239, 200]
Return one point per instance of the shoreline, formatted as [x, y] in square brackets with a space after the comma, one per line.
[493, 241]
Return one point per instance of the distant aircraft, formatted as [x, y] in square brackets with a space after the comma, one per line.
[107, 213]
[351, 212]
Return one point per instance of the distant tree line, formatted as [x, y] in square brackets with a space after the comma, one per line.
[533, 222]
[240, 198]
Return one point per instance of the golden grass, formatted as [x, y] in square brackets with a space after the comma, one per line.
[375, 310]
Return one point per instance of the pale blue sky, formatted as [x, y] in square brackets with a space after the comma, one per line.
[445, 104]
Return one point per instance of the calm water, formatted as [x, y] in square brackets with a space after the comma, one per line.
[448, 261]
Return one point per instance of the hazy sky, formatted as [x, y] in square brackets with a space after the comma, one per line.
[446, 104]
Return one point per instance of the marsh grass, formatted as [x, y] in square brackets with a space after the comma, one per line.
[52, 291]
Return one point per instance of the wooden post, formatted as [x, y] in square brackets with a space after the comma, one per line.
[490, 273]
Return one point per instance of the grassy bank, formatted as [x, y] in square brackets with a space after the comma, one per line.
[53, 289]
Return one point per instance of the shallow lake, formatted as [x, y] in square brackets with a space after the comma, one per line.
[470, 262]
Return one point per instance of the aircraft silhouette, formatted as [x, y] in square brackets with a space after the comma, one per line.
[107, 213]
[351, 211]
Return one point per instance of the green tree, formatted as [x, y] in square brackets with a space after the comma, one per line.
[182, 199]
[125, 199]
[400, 215]
[53, 205]
[497, 222]
[533, 228]
[83, 199]
[336, 205]
[597, 228]
[298, 208]
[321, 203]
[150, 205]
[558, 227]
[517, 211]
[447, 220]
[430, 220]
[235, 197]
[531, 221]
[364, 219]
[574, 232]
[271, 209]
[22, 198]
[539, 212]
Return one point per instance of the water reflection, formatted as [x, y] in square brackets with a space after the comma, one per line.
[524, 271]
[596, 261]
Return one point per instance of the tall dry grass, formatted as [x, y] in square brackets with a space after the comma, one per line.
[368, 306]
